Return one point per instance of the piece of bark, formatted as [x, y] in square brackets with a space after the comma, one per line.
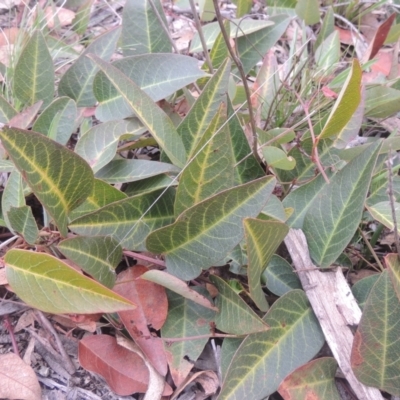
[334, 305]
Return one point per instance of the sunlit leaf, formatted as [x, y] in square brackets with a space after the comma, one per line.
[151, 116]
[46, 283]
[262, 239]
[129, 220]
[60, 179]
[336, 212]
[234, 315]
[203, 234]
[77, 82]
[382, 212]
[264, 359]
[33, 78]
[98, 256]
[376, 348]
[277, 158]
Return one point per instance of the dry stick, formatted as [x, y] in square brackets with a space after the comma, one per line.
[243, 77]
[335, 307]
[370, 248]
[69, 366]
[201, 36]
[392, 206]
[164, 28]
[145, 258]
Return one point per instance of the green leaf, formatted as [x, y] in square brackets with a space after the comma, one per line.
[376, 351]
[128, 170]
[149, 185]
[13, 196]
[228, 350]
[158, 75]
[277, 158]
[176, 285]
[82, 17]
[328, 54]
[60, 179]
[382, 102]
[315, 379]
[102, 194]
[279, 276]
[273, 210]
[211, 169]
[77, 82]
[206, 232]
[262, 239]
[252, 46]
[98, 256]
[382, 212]
[33, 78]
[99, 144]
[57, 121]
[243, 7]
[129, 220]
[327, 27]
[362, 288]
[185, 319]
[7, 111]
[346, 104]
[219, 51]
[46, 283]
[247, 167]
[393, 265]
[22, 221]
[142, 32]
[335, 214]
[379, 186]
[238, 28]
[264, 359]
[151, 116]
[308, 11]
[192, 128]
[7, 166]
[234, 315]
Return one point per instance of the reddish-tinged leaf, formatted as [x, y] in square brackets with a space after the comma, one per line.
[379, 38]
[124, 371]
[151, 311]
[17, 379]
[23, 119]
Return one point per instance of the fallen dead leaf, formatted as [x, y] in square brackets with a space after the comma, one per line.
[25, 320]
[9, 36]
[17, 379]
[88, 324]
[59, 15]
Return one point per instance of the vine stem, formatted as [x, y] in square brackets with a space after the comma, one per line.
[239, 65]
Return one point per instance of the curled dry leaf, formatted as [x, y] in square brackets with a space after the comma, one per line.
[17, 379]
[151, 311]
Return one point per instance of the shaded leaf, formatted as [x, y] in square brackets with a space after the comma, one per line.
[142, 32]
[46, 283]
[382, 212]
[130, 170]
[203, 234]
[33, 78]
[179, 287]
[277, 158]
[22, 221]
[77, 82]
[328, 54]
[7, 111]
[13, 196]
[211, 168]
[150, 184]
[273, 210]
[234, 315]
[60, 179]
[228, 350]
[293, 339]
[57, 121]
[158, 75]
[308, 11]
[262, 239]
[151, 312]
[130, 220]
[393, 265]
[362, 288]
[315, 380]
[335, 214]
[382, 101]
[98, 256]
[151, 116]
[375, 353]
[16, 376]
[185, 319]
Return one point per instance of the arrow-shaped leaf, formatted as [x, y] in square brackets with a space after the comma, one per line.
[335, 214]
[206, 232]
[60, 179]
[151, 116]
[46, 283]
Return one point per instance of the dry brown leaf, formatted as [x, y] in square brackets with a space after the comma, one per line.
[3, 277]
[59, 15]
[151, 311]
[25, 320]
[88, 324]
[17, 379]
[9, 36]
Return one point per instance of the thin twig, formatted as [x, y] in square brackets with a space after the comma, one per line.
[9, 327]
[164, 27]
[69, 366]
[239, 65]
[392, 204]
[145, 258]
[371, 249]
[8, 241]
[201, 36]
